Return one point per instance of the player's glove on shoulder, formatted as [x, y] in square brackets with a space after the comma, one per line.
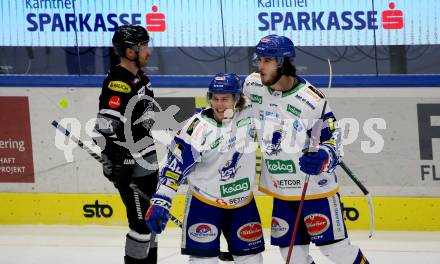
[158, 214]
[314, 163]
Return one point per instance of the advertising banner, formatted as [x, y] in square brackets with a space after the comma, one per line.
[197, 23]
[390, 141]
[16, 161]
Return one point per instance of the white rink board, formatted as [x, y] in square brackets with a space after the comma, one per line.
[394, 171]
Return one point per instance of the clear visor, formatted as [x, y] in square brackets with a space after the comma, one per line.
[209, 97]
[279, 60]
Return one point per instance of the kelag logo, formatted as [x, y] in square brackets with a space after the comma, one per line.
[83, 22]
[97, 210]
[428, 132]
[324, 20]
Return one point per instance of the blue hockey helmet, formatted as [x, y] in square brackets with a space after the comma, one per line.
[274, 46]
[225, 83]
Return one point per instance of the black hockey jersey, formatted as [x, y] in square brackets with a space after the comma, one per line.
[126, 111]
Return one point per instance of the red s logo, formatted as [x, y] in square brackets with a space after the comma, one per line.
[392, 19]
[155, 21]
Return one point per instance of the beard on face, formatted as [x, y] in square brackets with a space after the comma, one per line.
[269, 79]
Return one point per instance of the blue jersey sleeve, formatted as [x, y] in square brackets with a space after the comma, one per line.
[182, 156]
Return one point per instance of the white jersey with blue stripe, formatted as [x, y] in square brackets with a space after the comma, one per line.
[284, 124]
[217, 159]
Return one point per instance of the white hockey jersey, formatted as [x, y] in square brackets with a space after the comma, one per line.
[218, 160]
[284, 124]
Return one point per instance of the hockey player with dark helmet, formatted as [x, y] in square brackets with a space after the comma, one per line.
[126, 96]
[132, 37]
[282, 49]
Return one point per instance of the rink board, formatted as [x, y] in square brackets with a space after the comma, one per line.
[391, 213]
[391, 141]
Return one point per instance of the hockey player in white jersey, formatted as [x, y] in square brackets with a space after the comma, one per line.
[287, 107]
[215, 152]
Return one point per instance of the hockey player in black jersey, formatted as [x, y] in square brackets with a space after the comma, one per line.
[125, 117]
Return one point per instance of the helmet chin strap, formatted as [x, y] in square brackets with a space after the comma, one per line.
[229, 113]
[136, 59]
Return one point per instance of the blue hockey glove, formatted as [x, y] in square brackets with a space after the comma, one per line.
[158, 214]
[313, 163]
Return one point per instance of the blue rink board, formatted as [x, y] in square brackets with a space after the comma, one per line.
[201, 81]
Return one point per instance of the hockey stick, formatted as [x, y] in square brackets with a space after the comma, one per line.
[350, 173]
[225, 256]
[314, 143]
[364, 191]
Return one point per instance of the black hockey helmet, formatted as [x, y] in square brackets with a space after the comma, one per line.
[129, 36]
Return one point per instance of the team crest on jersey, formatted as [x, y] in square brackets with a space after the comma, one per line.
[231, 167]
[274, 144]
[297, 125]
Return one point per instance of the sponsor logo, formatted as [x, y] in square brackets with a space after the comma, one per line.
[97, 210]
[238, 200]
[141, 92]
[65, 21]
[155, 21]
[229, 144]
[129, 161]
[172, 175]
[264, 115]
[256, 99]
[234, 188]
[428, 132]
[119, 86]
[220, 201]
[243, 122]
[286, 184]
[172, 184]
[345, 20]
[280, 166]
[392, 19]
[279, 227]
[323, 182]
[254, 83]
[292, 109]
[203, 232]
[316, 224]
[114, 102]
[304, 100]
[250, 232]
[351, 213]
[216, 143]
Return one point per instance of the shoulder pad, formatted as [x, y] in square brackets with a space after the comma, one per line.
[192, 126]
[316, 91]
[253, 79]
[119, 86]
